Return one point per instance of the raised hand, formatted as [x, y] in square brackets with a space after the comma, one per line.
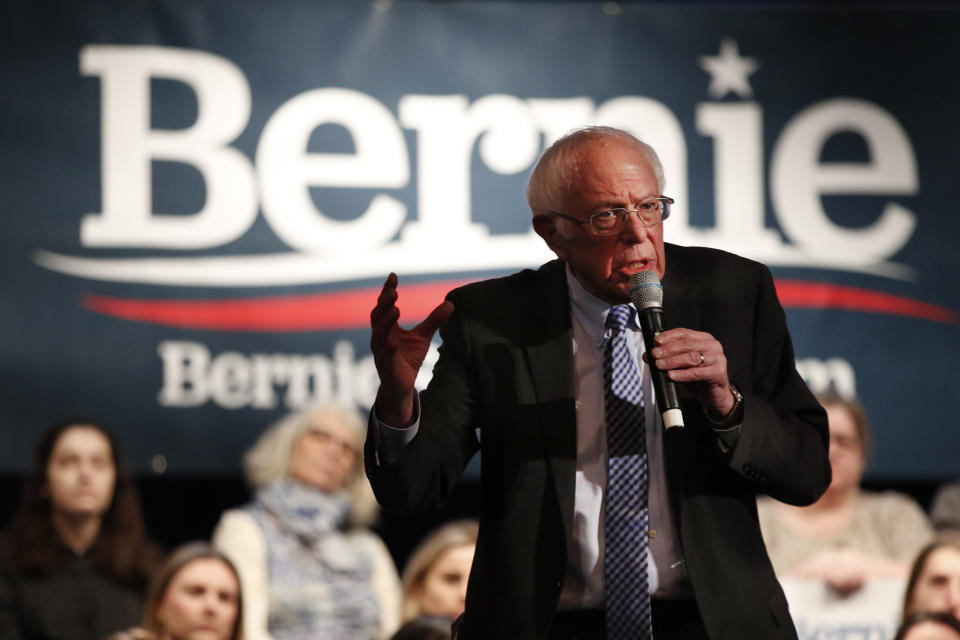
[398, 353]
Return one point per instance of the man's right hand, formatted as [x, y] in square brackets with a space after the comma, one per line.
[398, 353]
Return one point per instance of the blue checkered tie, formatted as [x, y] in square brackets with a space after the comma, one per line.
[627, 599]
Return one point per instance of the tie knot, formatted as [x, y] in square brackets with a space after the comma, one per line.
[619, 317]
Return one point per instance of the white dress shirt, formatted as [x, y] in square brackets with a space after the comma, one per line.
[583, 586]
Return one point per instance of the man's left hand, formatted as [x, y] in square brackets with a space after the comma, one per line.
[697, 357]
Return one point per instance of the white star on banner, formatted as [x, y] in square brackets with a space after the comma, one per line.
[729, 70]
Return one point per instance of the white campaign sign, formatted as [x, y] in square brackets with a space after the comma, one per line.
[871, 613]
[509, 131]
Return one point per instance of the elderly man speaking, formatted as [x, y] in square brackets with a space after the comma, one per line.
[596, 521]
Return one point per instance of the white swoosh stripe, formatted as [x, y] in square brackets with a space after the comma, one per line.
[277, 269]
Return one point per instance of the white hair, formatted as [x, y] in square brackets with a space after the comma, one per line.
[558, 166]
[268, 460]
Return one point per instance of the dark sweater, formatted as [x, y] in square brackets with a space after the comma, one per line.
[77, 601]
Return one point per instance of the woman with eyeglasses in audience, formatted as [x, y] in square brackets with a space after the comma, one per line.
[849, 535]
[309, 565]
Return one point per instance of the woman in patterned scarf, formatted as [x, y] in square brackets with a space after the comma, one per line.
[308, 564]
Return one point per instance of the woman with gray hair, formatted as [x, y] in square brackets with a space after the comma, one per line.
[308, 564]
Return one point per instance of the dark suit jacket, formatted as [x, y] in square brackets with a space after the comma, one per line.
[506, 370]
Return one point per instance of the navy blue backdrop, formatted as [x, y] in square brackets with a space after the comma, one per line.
[201, 199]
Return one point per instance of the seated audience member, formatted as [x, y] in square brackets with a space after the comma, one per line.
[848, 536]
[424, 628]
[934, 583]
[76, 559]
[435, 577]
[194, 595]
[309, 566]
[945, 508]
[929, 626]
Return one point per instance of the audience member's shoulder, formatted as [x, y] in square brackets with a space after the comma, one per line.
[365, 539]
[14, 548]
[362, 535]
[889, 503]
[235, 522]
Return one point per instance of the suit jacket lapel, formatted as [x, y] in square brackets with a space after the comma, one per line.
[681, 308]
[549, 353]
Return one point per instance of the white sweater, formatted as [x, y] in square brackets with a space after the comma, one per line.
[240, 538]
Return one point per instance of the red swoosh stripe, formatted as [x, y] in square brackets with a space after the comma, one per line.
[818, 295]
[314, 312]
[351, 309]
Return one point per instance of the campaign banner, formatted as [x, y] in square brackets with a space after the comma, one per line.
[201, 200]
[871, 612]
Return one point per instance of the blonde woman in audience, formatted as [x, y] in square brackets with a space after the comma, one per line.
[195, 595]
[309, 566]
[848, 536]
[435, 577]
[934, 583]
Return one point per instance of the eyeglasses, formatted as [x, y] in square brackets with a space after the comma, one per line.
[605, 223]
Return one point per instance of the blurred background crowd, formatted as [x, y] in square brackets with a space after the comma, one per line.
[302, 558]
[134, 136]
[297, 560]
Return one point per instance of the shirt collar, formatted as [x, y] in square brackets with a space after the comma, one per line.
[590, 311]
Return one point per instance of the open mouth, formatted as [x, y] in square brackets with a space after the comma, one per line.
[634, 267]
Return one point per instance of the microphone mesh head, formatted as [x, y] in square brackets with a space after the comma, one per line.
[646, 290]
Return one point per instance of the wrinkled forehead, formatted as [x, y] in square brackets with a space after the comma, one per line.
[606, 164]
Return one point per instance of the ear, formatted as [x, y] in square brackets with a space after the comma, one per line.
[160, 615]
[416, 590]
[546, 228]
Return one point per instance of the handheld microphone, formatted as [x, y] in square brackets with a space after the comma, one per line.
[646, 294]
